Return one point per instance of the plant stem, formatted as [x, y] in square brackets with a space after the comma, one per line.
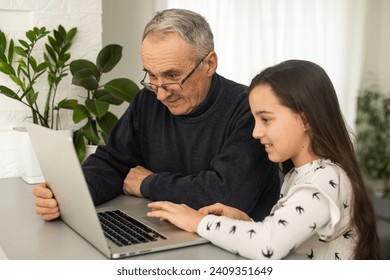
[47, 105]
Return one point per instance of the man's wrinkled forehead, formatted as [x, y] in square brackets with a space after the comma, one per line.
[165, 54]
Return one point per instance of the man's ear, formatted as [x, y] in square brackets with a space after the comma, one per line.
[212, 62]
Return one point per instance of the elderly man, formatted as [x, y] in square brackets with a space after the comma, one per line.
[186, 137]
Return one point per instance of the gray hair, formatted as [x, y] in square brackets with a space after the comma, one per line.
[191, 26]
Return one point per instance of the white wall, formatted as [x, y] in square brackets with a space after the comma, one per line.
[376, 70]
[16, 17]
[123, 24]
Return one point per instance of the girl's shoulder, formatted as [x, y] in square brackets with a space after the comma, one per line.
[323, 174]
[320, 168]
[325, 177]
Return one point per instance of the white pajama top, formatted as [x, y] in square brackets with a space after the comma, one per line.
[310, 219]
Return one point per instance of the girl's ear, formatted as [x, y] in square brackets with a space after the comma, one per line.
[305, 122]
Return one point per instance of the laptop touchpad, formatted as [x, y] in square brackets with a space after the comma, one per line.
[157, 222]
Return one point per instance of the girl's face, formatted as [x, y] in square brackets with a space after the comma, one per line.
[279, 129]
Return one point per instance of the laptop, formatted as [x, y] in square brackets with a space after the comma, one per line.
[119, 228]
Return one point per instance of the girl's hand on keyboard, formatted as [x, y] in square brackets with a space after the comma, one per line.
[180, 215]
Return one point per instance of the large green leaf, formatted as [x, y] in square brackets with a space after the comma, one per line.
[31, 96]
[106, 96]
[11, 51]
[82, 64]
[24, 44]
[97, 107]
[8, 92]
[6, 68]
[67, 104]
[17, 81]
[104, 136]
[79, 143]
[51, 52]
[63, 58]
[71, 33]
[3, 57]
[122, 88]
[3, 42]
[54, 44]
[80, 113]
[31, 35]
[20, 51]
[108, 57]
[90, 132]
[41, 67]
[85, 79]
[33, 63]
[59, 36]
[107, 122]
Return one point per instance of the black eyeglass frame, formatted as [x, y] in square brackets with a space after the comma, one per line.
[149, 86]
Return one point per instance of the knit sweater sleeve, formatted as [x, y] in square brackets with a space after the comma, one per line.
[302, 215]
[107, 168]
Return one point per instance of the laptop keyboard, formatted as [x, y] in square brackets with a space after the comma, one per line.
[124, 230]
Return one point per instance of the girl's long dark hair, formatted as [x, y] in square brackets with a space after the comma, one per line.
[305, 88]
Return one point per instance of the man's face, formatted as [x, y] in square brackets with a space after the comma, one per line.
[169, 59]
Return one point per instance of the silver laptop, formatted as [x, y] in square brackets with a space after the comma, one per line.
[119, 228]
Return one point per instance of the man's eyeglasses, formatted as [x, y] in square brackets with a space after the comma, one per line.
[170, 86]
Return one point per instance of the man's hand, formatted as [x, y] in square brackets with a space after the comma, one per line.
[132, 183]
[45, 203]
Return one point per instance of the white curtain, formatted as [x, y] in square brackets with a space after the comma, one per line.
[376, 74]
[251, 35]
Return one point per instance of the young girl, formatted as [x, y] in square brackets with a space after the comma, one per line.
[324, 210]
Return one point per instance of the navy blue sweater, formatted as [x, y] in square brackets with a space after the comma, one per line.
[198, 159]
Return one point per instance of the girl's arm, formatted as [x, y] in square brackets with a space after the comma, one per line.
[301, 215]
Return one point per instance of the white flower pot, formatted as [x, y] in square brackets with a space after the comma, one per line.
[27, 162]
[90, 149]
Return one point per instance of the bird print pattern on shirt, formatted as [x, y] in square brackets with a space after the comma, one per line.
[311, 255]
[251, 233]
[311, 218]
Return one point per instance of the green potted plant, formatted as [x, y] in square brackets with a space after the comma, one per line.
[94, 110]
[20, 64]
[373, 134]
[24, 70]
